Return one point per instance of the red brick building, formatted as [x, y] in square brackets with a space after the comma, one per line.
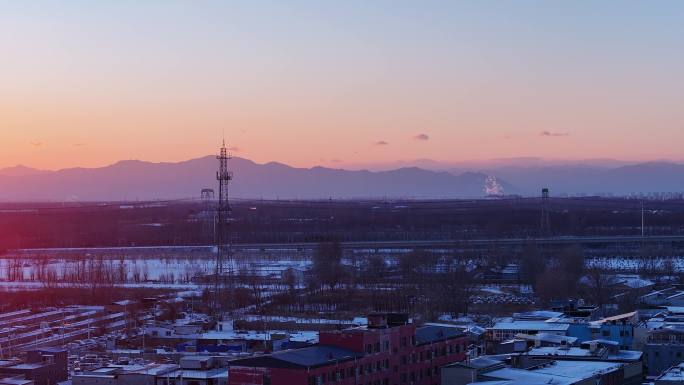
[390, 351]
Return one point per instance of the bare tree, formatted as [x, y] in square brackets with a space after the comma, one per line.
[327, 266]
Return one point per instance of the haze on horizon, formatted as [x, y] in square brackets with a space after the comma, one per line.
[350, 83]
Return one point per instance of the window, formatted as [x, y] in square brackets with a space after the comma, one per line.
[369, 349]
[606, 333]
[387, 346]
[377, 347]
[403, 341]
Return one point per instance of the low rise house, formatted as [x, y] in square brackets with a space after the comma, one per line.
[663, 349]
[45, 366]
[537, 371]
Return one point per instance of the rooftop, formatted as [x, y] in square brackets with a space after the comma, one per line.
[579, 353]
[431, 333]
[555, 372]
[675, 373]
[308, 357]
[478, 363]
[316, 355]
[531, 325]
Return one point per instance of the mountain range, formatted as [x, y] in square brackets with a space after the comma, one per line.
[140, 180]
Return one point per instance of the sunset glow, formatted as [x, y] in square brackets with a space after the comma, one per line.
[308, 83]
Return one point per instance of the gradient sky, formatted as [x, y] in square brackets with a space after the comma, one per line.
[88, 83]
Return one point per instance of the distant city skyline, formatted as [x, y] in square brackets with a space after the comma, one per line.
[340, 84]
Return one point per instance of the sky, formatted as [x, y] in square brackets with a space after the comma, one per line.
[85, 83]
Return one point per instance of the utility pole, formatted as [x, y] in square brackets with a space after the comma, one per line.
[223, 176]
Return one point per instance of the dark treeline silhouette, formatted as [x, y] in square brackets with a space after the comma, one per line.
[185, 223]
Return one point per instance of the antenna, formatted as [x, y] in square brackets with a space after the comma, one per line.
[223, 176]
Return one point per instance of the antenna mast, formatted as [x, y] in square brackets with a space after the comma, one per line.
[223, 176]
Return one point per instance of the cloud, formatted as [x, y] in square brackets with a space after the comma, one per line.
[381, 143]
[234, 149]
[335, 160]
[36, 144]
[79, 144]
[550, 133]
[422, 137]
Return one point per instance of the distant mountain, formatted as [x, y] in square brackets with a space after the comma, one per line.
[591, 179]
[487, 164]
[133, 180]
[19, 170]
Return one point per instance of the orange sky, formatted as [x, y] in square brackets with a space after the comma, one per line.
[84, 84]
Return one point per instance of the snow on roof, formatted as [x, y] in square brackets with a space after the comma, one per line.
[531, 325]
[675, 309]
[673, 374]
[619, 317]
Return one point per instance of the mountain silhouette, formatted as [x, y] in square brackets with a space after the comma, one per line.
[140, 180]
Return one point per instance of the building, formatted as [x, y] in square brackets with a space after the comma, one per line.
[663, 349]
[507, 330]
[200, 370]
[552, 372]
[461, 373]
[46, 366]
[145, 374]
[390, 350]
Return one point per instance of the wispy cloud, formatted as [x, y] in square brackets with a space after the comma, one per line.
[551, 133]
[79, 144]
[422, 137]
[381, 143]
[234, 149]
[36, 144]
